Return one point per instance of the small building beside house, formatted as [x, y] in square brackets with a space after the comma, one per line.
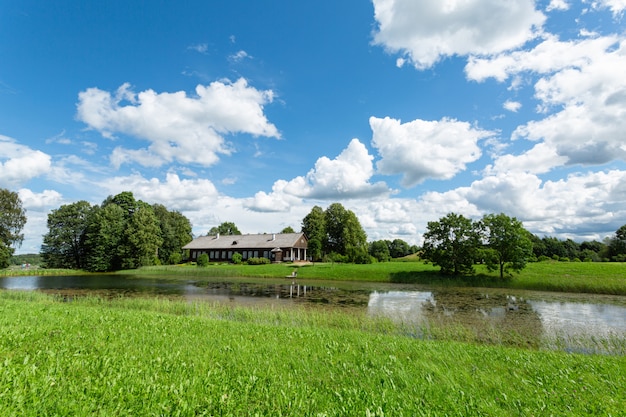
[277, 247]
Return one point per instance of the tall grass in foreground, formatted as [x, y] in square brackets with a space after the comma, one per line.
[141, 357]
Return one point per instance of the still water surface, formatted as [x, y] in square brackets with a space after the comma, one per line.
[542, 314]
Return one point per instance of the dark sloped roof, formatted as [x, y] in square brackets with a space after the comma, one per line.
[232, 242]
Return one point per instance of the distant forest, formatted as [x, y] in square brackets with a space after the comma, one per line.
[28, 258]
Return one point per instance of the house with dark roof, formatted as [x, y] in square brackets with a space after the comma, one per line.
[277, 247]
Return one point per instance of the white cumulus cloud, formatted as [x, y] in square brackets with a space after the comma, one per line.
[174, 193]
[582, 206]
[179, 127]
[19, 163]
[578, 89]
[423, 149]
[616, 6]
[513, 106]
[38, 205]
[557, 5]
[424, 32]
[346, 176]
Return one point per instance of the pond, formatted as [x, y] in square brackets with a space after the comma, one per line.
[555, 320]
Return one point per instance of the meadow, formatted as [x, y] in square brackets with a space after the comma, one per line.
[579, 277]
[149, 357]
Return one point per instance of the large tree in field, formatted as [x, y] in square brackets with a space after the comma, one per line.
[314, 227]
[12, 221]
[64, 244]
[452, 243]
[508, 244]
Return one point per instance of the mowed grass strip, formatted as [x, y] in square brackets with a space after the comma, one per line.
[126, 358]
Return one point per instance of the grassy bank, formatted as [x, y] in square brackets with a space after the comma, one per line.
[582, 277]
[17, 272]
[579, 277]
[157, 357]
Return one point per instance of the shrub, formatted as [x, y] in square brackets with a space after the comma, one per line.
[237, 258]
[175, 258]
[203, 260]
[258, 261]
[336, 257]
[543, 258]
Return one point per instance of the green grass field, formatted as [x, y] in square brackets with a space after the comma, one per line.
[129, 357]
[582, 277]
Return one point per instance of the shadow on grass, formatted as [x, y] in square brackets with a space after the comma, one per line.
[436, 278]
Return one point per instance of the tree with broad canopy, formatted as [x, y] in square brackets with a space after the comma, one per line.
[12, 221]
[452, 243]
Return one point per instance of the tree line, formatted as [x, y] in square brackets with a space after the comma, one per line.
[456, 244]
[120, 233]
[125, 233]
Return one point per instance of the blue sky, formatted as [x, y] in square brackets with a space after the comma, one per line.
[254, 112]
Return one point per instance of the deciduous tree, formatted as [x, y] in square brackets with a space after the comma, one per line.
[335, 230]
[176, 232]
[64, 244]
[314, 227]
[142, 236]
[103, 243]
[452, 243]
[226, 228]
[354, 239]
[399, 248]
[379, 249]
[12, 221]
[617, 245]
[508, 243]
